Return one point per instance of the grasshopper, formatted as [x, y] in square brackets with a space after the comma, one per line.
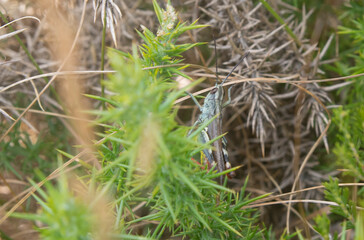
[212, 107]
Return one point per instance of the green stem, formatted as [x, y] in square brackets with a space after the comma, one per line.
[281, 21]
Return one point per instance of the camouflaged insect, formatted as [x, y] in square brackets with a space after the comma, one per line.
[211, 108]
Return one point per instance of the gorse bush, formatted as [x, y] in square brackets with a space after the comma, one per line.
[71, 210]
[154, 165]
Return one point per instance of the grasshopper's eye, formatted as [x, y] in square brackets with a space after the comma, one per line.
[214, 90]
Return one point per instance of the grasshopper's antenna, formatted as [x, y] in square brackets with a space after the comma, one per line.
[232, 70]
[217, 75]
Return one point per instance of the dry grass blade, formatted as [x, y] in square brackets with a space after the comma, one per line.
[19, 19]
[55, 74]
[59, 115]
[8, 35]
[6, 114]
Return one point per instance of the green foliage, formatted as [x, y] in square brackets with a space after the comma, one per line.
[341, 196]
[348, 123]
[349, 119]
[65, 215]
[359, 229]
[161, 49]
[353, 49]
[323, 226]
[20, 151]
[350, 139]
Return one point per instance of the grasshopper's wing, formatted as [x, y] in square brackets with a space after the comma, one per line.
[214, 129]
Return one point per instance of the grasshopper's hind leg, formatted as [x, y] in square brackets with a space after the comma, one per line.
[226, 158]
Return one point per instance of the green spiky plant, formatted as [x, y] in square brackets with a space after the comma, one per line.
[150, 157]
[64, 215]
